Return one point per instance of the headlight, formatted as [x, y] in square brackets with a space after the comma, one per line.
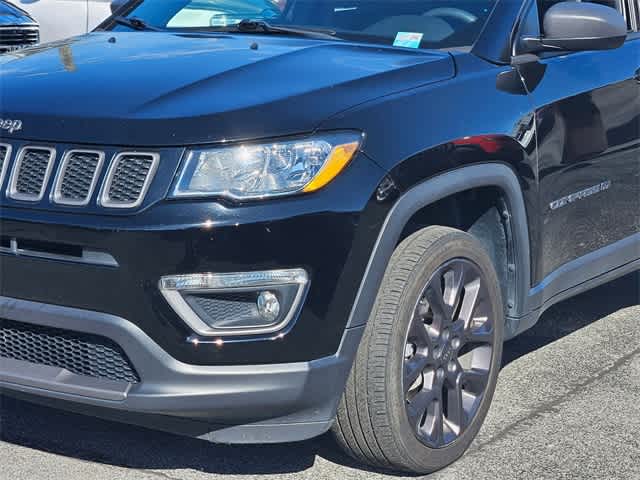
[252, 171]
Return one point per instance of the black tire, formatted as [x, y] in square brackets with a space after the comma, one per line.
[372, 423]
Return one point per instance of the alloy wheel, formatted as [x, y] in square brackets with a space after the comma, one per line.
[448, 352]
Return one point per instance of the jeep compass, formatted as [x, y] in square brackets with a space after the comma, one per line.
[258, 221]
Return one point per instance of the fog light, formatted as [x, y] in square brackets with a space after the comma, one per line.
[239, 304]
[268, 306]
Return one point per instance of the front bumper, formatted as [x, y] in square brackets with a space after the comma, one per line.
[231, 404]
[250, 389]
[330, 234]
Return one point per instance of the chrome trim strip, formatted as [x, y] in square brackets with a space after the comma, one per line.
[89, 257]
[26, 26]
[172, 287]
[56, 194]
[5, 162]
[11, 190]
[104, 200]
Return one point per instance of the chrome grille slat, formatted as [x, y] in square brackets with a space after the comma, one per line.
[77, 177]
[31, 173]
[5, 158]
[128, 180]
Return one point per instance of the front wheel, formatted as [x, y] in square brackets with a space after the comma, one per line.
[427, 366]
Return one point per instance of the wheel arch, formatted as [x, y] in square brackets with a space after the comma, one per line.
[490, 174]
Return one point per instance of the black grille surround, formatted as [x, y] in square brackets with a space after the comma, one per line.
[16, 37]
[79, 353]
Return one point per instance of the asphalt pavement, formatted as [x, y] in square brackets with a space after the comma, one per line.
[567, 407]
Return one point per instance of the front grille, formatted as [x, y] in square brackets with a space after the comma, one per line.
[31, 173]
[129, 179]
[78, 176]
[79, 353]
[5, 152]
[16, 37]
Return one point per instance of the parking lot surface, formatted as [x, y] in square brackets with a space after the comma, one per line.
[567, 406]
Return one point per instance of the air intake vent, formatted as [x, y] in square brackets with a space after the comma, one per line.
[128, 180]
[5, 157]
[79, 353]
[31, 173]
[78, 177]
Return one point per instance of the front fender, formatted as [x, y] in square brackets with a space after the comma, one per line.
[428, 192]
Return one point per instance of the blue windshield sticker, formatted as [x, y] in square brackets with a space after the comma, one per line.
[408, 40]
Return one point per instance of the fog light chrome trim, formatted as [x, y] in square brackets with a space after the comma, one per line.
[173, 287]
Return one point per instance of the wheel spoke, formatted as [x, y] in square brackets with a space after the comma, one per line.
[480, 335]
[422, 309]
[457, 329]
[418, 333]
[437, 426]
[456, 416]
[418, 405]
[471, 296]
[434, 295]
[413, 368]
[453, 285]
[475, 380]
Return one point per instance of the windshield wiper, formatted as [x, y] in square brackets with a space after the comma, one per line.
[136, 24]
[260, 26]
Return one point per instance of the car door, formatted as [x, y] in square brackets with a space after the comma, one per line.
[587, 108]
[58, 19]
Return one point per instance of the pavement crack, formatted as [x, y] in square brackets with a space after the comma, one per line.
[554, 404]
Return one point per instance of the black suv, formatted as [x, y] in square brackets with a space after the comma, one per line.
[17, 29]
[327, 214]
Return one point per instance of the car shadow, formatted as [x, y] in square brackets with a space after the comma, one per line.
[573, 314]
[95, 440]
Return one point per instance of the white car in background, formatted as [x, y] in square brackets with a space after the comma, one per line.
[60, 19]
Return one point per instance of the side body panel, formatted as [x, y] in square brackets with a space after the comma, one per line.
[588, 123]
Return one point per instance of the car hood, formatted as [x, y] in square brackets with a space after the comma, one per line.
[160, 89]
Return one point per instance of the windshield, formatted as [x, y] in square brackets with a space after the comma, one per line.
[403, 23]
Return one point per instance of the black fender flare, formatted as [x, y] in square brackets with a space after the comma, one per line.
[436, 188]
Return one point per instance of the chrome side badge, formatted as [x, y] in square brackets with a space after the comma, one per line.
[581, 195]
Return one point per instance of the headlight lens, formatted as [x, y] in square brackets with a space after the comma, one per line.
[244, 172]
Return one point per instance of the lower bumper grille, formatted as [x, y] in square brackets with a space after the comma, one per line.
[79, 353]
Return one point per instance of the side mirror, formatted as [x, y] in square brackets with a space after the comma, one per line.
[117, 4]
[577, 26]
